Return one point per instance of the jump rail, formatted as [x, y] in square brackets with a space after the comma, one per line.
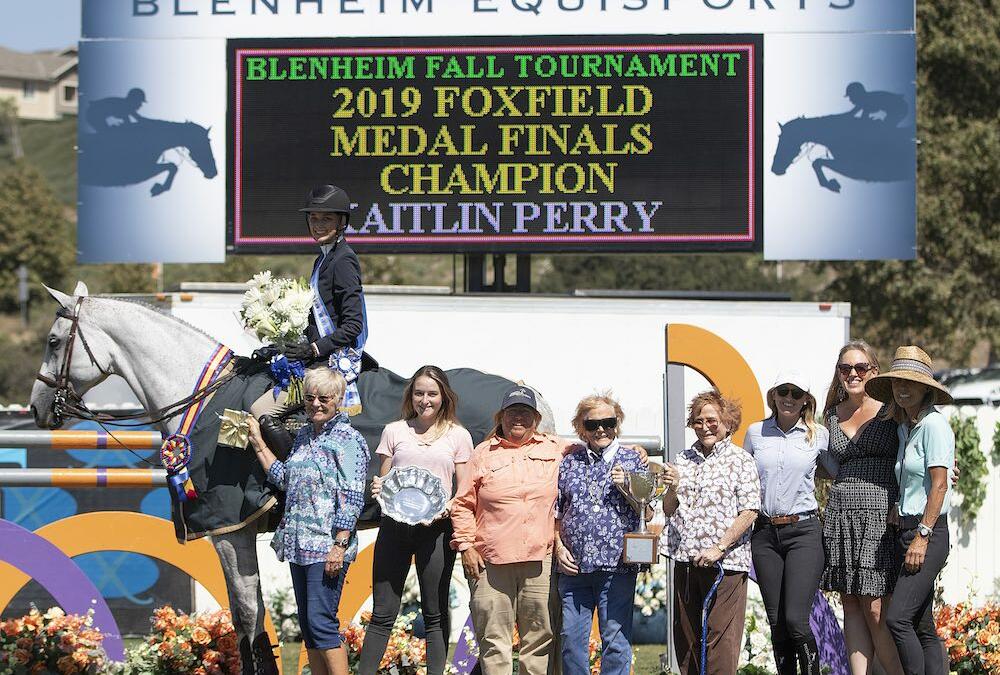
[83, 478]
[81, 440]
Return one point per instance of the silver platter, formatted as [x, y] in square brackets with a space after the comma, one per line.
[412, 495]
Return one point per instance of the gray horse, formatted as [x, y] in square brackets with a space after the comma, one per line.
[161, 358]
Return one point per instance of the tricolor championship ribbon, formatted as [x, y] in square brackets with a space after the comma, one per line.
[175, 452]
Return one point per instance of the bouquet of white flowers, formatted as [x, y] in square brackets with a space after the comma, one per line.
[276, 310]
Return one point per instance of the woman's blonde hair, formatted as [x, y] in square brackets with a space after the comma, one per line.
[807, 415]
[326, 382]
[446, 415]
[588, 403]
[730, 410]
[835, 394]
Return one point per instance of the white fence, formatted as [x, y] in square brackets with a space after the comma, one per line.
[974, 562]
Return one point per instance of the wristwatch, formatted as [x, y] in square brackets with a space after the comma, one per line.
[722, 549]
[924, 531]
[342, 543]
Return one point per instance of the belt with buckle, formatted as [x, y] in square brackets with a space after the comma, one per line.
[787, 520]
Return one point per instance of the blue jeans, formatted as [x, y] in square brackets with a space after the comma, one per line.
[318, 597]
[612, 595]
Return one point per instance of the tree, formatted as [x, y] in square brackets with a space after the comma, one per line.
[34, 230]
[948, 299]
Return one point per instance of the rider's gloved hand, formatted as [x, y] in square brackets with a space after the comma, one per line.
[301, 352]
[265, 354]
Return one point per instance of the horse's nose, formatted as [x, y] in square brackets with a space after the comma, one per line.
[777, 172]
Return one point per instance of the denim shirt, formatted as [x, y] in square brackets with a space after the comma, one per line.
[593, 515]
[324, 482]
[787, 465]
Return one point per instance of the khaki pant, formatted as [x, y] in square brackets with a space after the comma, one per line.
[508, 594]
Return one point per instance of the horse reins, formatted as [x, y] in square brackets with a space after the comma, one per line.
[68, 403]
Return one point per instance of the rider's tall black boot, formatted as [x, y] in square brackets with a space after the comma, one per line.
[277, 437]
[808, 655]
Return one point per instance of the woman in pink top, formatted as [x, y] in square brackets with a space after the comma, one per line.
[428, 436]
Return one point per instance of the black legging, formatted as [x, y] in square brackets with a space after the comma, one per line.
[910, 617]
[788, 560]
[396, 546]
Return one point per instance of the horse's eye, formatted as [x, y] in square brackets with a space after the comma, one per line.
[53, 341]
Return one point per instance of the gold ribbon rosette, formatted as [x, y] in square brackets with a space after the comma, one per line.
[234, 431]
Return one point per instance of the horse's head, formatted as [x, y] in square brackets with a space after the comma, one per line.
[75, 350]
[789, 146]
[201, 149]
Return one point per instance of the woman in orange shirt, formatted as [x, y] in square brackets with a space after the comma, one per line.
[504, 521]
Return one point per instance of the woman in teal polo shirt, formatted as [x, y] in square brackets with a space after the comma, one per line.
[926, 454]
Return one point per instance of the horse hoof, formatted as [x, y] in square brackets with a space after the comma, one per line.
[834, 185]
[157, 189]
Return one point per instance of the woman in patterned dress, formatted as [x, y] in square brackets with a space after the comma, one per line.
[857, 539]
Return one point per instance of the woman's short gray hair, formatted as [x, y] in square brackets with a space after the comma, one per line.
[326, 382]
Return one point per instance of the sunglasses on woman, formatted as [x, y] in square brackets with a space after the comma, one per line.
[608, 423]
[312, 398]
[860, 368]
[785, 390]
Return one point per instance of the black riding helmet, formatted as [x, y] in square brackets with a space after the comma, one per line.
[329, 198]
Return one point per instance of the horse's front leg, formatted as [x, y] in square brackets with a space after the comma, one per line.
[238, 554]
[171, 169]
[829, 183]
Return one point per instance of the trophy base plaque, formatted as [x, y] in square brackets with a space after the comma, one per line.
[640, 548]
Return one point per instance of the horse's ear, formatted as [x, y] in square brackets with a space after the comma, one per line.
[208, 130]
[60, 297]
[81, 290]
[781, 127]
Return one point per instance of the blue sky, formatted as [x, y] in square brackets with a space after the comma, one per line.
[28, 25]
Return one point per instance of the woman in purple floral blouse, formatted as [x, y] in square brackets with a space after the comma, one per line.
[592, 519]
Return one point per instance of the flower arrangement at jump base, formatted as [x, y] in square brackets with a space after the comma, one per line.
[185, 644]
[53, 642]
[972, 637]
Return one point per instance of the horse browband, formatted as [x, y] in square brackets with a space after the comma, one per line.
[68, 403]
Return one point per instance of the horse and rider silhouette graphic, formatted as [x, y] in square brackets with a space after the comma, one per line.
[865, 143]
[133, 149]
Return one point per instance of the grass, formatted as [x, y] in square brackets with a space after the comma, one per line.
[647, 658]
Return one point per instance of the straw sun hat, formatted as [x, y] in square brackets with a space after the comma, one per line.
[910, 363]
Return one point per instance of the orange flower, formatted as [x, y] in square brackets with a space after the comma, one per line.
[200, 636]
[81, 658]
[67, 665]
[227, 643]
[67, 642]
[21, 656]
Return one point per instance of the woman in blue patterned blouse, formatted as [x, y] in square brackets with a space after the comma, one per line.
[324, 480]
[592, 519]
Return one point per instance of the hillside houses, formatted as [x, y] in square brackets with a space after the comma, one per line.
[44, 85]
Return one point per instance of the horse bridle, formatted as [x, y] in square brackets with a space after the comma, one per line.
[68, 403]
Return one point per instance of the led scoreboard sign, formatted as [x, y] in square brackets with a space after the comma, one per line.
[614, 143]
